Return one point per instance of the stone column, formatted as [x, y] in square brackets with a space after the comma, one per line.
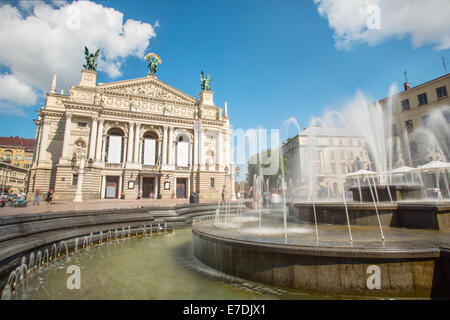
[195, 147]
[103, 155]
[175, 187]
[201, 139]
[136, 142]
[130, 143]
[188, 187]
[37, 147]
[79, 192]
[141, 181]
[158, 156]
[219, 149]
[93, 137]
[99, 153]
[120, 185]
[66, 140]
[103, 186]
[164, 146]
[156, 187]
[140, 152]
[170, 146]
[44, 140]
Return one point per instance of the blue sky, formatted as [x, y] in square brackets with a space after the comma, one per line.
[269, 60]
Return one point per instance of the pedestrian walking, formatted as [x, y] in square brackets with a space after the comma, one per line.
[49, 196]
[37, 197]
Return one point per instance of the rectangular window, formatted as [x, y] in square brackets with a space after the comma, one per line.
[409, 125]
[75, 179]
[211, 182]
[340, 142]
[342, 155]
[82, 124]
[115, 149]
[332, 155]
[351, 155]
[405, 105]
[331, 142]
[149, 151]
[422, 99]
[441, 92]
[183, 154]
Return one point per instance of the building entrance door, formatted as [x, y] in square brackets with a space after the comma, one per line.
[112, 187]
[148, 188]
[181, 188]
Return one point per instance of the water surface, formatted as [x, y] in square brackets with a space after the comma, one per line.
[161, 267]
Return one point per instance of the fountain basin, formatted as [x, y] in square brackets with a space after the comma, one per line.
[417, 215]
[411, 263]
[398, 192]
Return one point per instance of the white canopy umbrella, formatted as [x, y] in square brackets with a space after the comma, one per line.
[360, 173]
[437, 166]
[402, 170]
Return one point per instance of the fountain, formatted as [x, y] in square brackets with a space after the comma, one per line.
[374, 226]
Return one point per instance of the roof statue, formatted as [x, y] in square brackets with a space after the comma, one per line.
[91, 59]
[205, 81]
[153, 60]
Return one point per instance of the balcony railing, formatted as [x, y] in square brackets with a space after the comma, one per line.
[149, 167]
[182, 167]
[113, 165]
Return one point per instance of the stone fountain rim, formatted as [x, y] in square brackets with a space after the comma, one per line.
[432, 251]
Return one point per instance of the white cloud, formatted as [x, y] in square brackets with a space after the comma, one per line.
[12, 89]
[426, 22]
[39, 40]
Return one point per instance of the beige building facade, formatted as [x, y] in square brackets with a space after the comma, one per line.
[420, 122]
[138, 138]
[13, 179]
[325, 155]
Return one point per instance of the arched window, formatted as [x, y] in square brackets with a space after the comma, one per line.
[114, 142]
[149, 149]
[182, 151]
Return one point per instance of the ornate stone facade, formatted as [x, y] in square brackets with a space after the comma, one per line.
[164, 142]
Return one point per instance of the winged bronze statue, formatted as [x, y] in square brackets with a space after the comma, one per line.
[91, 59]
[205, 81]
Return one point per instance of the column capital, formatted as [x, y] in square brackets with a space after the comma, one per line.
[47, 122]
[95, 117]
[69, 115]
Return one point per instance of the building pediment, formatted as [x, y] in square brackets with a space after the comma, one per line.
[149, 88]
